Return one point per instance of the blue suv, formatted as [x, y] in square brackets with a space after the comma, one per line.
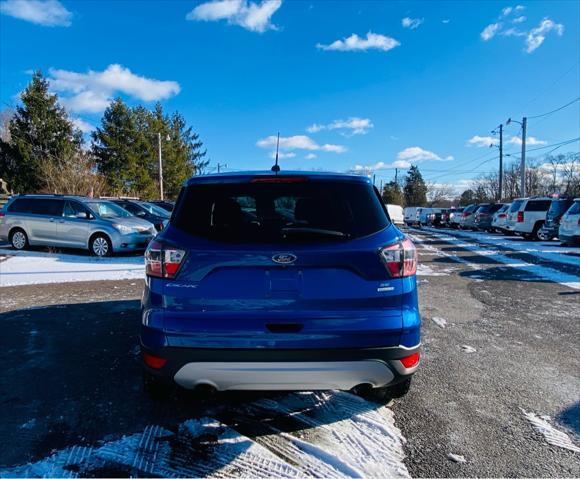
[288, 281]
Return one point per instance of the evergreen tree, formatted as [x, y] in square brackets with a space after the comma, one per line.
[40, 131]
[467, 197]
[392, 194]
[415, 189]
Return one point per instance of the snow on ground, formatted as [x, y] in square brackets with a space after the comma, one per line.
[549, 274]
[35, 267]
[550, 250]
[341, 435]
[441, 322]
[550, 433]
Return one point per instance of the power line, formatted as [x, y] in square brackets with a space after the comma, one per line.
[554, 111]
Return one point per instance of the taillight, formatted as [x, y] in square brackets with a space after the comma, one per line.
[465, 215]
[154, 362]
[400, 259]
[501, 215]
[411, 361]
[520, 217]
[2, 214]
[162, 261]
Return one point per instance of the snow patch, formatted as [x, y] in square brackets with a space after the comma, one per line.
[33, 267]
[550, 433]
[441, 322]
[456, 457]
[468, 349]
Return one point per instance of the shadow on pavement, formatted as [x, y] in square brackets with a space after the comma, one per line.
[72, 377]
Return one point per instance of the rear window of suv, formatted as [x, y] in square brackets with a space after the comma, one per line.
[516, 206]
[280, 212]
[538, 205]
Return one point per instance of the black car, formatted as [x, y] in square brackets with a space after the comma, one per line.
[166, 205]
[557, 209]
[484, 216]
[435, 219]
[147, 211]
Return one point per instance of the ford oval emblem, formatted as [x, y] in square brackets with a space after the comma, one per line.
[284, 258]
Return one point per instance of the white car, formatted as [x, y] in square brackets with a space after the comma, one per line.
[569, 232]
[412, 215]
[527, 216]
[500, 218]
[396, 214]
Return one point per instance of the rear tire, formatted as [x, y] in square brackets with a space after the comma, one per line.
[536, 232]
[100, 245]
[386, 393]
[19, 240]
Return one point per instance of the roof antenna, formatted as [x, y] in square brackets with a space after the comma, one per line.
[276, 167]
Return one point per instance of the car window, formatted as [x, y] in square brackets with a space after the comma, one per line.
[73, 208]
[516, 206]
[574, 209]
[558, 207]
[107, 209]
[538, 205]
[262, 212]
[46, 207]
[494, 208]
[155, 210]
[20, 206]
[132, 208]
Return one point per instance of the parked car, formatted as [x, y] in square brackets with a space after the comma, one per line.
[499, 218]
[73, 222]
[531, 216]
[147, 211]
[455, 217]
[484, 215]
[424, 215]
[468, 216]
[558, 207]
[569, 231]
[412, 215]
[396, 214]
[512, 216]
[166, 205]
[239, 296]
[435, 218]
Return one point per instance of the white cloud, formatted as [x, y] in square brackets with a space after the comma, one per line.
[356, 43]
[412, 23]
[489, 32]
[92, 91]
[445, 21]
[530, 141]
[50, 13]
[310, 156]
[82, 125]
[282, 154]
[533, 37]
[255, 17]
[506, 11]
[415, 154]
[536, 36]
[353, 125]
[482, 141]
[298, 142]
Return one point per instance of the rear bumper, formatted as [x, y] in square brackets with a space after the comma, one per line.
[569, 238]
[131, 242]
[277, 369]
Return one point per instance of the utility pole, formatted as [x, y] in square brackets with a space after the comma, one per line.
[396, 174]
[374, 179]
[219, 166]
[160, 166]
[500, 162]
[523, 164]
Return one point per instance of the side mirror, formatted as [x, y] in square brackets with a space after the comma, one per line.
[83, 216]
[141, 213]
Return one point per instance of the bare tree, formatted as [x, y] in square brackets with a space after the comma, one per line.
[439, 194]
[75, 175]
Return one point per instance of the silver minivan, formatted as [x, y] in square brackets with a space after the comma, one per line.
[100, 226]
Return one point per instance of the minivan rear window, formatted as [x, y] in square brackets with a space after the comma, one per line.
[38, 206]
[280, 212]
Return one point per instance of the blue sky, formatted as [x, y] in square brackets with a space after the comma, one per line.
[349, 85]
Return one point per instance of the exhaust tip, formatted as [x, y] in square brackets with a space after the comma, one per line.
[361, 389]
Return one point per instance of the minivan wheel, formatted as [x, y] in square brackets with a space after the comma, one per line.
[19, 240]
[101, 246]
[386, 393]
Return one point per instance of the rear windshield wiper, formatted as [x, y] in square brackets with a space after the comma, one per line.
[305, 231]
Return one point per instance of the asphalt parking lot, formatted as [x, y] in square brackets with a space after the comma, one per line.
[498, 393]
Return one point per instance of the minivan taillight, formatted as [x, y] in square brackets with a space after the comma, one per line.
[520, 217]
[2, 214]
[162, 261]
[400, 259]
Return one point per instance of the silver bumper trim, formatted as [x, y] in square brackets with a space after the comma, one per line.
[288, 376]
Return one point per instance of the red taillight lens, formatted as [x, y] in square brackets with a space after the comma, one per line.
[465, 215]
[520, 216]
[2, 214]
[154, 361]
[501, 215]
[400, 259]
[411, 361]
[162, 261]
